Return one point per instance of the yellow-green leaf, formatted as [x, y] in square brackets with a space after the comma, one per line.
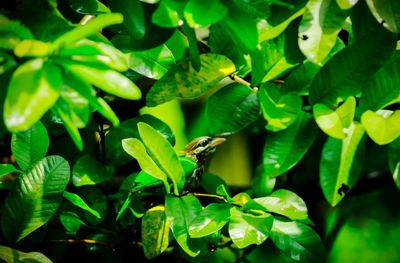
[382, 126]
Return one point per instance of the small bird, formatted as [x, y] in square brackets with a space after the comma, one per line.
[199, 150]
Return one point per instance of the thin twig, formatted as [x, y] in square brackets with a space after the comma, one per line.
[239, 80]
[82, 241]
[220, 197]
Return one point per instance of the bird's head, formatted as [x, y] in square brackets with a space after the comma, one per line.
[201, 147]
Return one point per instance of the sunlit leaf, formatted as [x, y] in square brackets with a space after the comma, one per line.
[201, 13]
[77, 200]
[168, 13]
[12, 255]
[382, 127]
[88, 171]
[35, 197]
[210, 220]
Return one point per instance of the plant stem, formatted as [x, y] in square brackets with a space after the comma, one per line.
[220, 197]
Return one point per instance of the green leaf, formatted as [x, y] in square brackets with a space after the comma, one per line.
[91, 27]
[200, 13]
[279, 110]
[32, 48]
[194, 52]
[386, 12]
[163, 155]
[341, 163]
[319, 27]
[77, 200]
[30, 146]
[240, 199]
[240, 108]
[346, 72]
[247, 229]
[334, 122]
[128, 129]
[155, 231]
[180, 213]
[285, 149]
[394, 161]
[263, 183]
[137, 150]
[184, 82]
[12, 32]
[74, 106]
[282, 202]
[88, 171]
[12, 255]
[210, 220]
[298, 241]
[382, 126]
[35, 197]
[33, 89]
[71, 222]
[97, 201]
[106, 79]
[299, 80]
[346, 4]
[168, 13]
[7, 169]
[152, 63]
[133, 13]
[88, 7]
[384, 87]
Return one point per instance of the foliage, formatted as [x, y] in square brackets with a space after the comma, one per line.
[99, 98]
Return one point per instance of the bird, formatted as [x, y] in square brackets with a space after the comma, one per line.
[199, 150]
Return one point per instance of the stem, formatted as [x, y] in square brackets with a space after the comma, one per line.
[220, 197]
[81, 241]
[239, 80]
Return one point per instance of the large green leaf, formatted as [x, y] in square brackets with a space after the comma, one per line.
[133, 13]
[79, 202]
[341, 163]
[247, 229]
[285, 149]
[298, 241]
[30, 146]
[384, 87]
[152, 63]
[33, 89]
[210, 220]
[283, 202]
[180, 213]
[200, 13]
[387, 13]
[74, 105]
[35, 198]
[383, 126]
[240, 108]
[320, 25]
[184, 81]
[12, 255]
[163, 155]
[299, 80]
[280, 110]
[346, 72]
[88, 171]
[137, 150]
[155, 231]
[169, 13]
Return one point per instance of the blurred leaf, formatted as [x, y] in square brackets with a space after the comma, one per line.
[155, 232]
[247, 229]
[263, 184]
[163, 155]
[180, 213]
[128, 129]
[333, 122]
[320, 25]
[346, 4]
[12, 32]
[298, 241]
[75, 106]
[211, 182]
[382, 127]
[33, 89]
[223, 190]
[286, 148]
[77, 200]
[239, 199]
[394, 160]
[346, 72]
[210, 220]
[341, 163]
[91, 7]
[35, 197]
[30, 146]
[32, 48]
[282, 202]
[12, 255]
[71, 222]
[240, 108]
[201, 13]
[133, 13]
[386, 13]
[194, 52]
[169, 13]
[279, 110]
[384, 87]
[88, 171]
[184, 82]
[137, 150]
[7, 169]
[152, 63]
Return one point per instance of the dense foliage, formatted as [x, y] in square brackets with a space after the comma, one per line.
[99, 98]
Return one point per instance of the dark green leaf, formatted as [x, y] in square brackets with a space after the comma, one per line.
[247, 229]
[30, 146]
[298, 241]
[194, 52]
[96, 200]
[35, 197]
[184, 82]
[386, 12]
[300, 79]
[341, 163]
[12, 255]
[88, 171]
[77, 200]
[263, 184]
[88, 7]
[12, 32]
[240, 108]
[210, 220]
[285, 149]
[133, 13]
[71, 222]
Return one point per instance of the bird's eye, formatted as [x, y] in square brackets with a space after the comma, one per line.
[204, 142]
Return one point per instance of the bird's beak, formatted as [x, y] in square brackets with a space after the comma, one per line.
[217, 141]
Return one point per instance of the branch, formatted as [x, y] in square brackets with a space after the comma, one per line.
[220, 197]
[82, 241]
